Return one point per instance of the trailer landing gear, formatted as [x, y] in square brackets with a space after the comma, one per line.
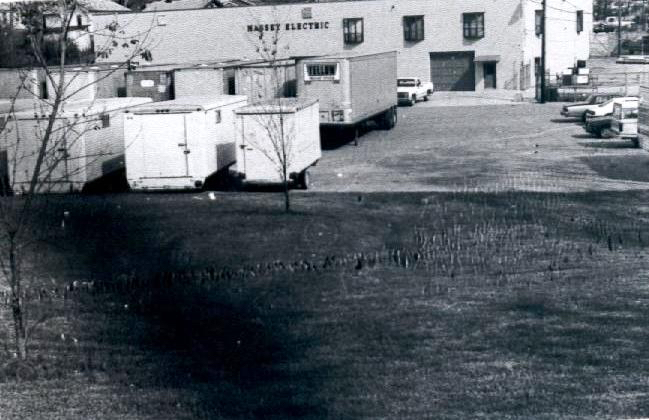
[303, 180]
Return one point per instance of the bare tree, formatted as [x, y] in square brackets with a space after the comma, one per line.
[38, 160]
[269, 94]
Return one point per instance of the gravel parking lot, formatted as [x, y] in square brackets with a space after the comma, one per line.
[481, 148]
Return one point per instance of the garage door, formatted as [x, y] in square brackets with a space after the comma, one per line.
[453, 70]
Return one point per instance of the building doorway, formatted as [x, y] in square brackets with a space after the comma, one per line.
[489, 74]
[538, 74]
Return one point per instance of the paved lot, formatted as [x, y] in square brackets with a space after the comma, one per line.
[482, 148]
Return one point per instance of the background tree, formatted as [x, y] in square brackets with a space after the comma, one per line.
[20, 229]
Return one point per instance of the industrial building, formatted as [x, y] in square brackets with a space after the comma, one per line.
[473, 45]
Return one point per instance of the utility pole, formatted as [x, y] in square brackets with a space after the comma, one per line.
[543, 33]
[619, 30]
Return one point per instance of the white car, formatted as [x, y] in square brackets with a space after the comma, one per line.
[412, 89]
[607, 107]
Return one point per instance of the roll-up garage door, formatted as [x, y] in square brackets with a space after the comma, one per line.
[452, 70]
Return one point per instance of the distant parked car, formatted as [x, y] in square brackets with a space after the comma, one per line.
[412, 89]
[578, 110]
[602, 27]
[607, 107]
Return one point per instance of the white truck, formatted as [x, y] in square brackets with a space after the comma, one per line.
[351, 88]
[178, 144]
[412, 89]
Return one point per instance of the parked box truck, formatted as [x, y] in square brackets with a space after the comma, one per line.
[86, 144]
[351, 88]
[178, 144]
[274, 134]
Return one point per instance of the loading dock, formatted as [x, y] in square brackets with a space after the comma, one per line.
[453, 71]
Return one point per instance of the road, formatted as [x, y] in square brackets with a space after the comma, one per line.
[482, 148]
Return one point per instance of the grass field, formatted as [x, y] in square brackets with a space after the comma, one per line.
[438, 305]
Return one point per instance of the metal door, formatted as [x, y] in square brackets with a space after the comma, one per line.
[259, 156]
[453, 70]
[165, 147]
[489, 73]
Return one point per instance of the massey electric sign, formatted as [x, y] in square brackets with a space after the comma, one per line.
[296, 26]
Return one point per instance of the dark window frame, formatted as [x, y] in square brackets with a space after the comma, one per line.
[473, 26]
[413, 28]
[538, 22]
[580, 21]
[351, 32]
[105, 120]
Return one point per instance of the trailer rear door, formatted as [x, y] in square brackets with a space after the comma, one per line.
[165, 146]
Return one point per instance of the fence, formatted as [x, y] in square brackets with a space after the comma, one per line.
[624, 83]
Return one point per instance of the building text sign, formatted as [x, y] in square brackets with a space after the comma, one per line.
[295, 26]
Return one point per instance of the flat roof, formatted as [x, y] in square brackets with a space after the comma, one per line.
[20, 105]
[274, 106]
[347, 54]
[82, 107]
[189, 104]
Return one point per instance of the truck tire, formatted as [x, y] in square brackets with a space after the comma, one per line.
[303, 180]
[389, 119]
[426, 97]
[413, 100]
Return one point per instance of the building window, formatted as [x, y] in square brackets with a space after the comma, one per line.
[538, 22]
[580, 21]
[217, 116]
[321, 71]
[79, 21]
[473, 24]
[105, 120]
[353, 30]
[413, 28]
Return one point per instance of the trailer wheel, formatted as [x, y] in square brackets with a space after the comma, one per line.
[389, 119]
[303, 180]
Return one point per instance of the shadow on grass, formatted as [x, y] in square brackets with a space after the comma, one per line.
[609, 144]
[583, 136]
[231, 351]
[630, 168]
[565, 120]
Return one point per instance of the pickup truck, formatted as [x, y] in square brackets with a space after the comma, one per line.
[411, 89]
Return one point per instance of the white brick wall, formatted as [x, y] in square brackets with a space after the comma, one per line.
[200, 35]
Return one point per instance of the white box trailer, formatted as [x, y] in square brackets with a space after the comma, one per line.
[86, 144]
[267, 131]
[351, 88]
[178, 144]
